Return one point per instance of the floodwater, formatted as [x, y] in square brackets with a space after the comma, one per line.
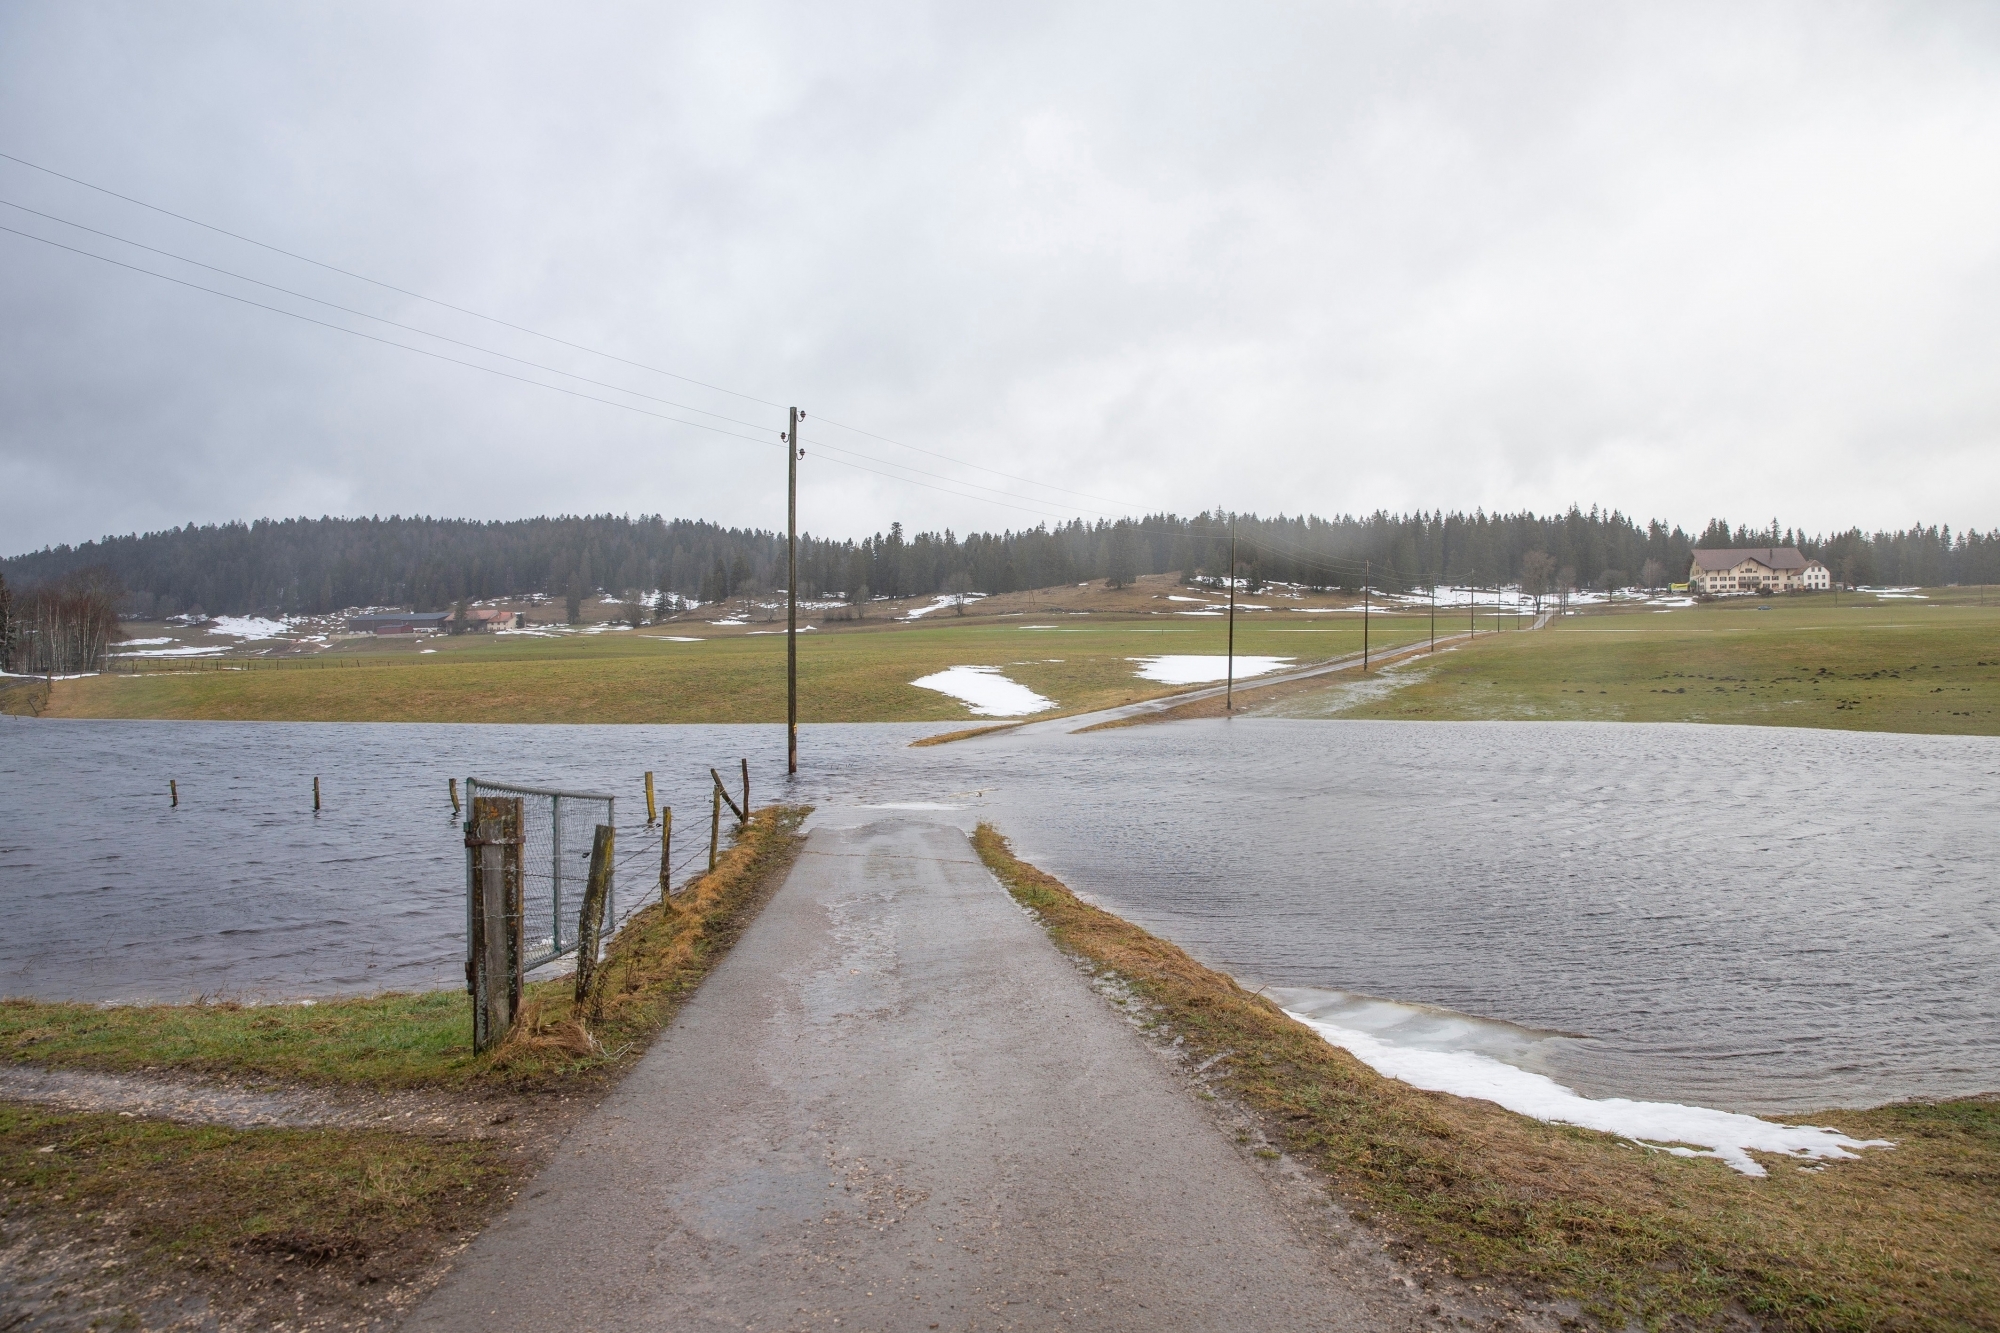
[1758, 919]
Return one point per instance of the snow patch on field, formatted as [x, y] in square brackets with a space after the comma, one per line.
[249, 627]
[1196, 669]
[985, 691]
[1664, 1126]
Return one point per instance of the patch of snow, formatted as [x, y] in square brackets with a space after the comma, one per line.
[248, 627]
[185, 650]
[1198, 669]
[1666, 1126]
[141, 642]
[673, 638]
[1199, 601]
[731, 620]
[1199, 613]
[940, 603]
[985, 691]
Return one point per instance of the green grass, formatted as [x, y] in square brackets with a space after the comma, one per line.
[402, 1041]
[1866, 665]
[845, 674]
[1905, 1238]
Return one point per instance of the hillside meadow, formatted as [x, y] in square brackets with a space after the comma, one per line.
[656, 675]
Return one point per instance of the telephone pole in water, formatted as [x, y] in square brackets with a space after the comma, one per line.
[792, 455]
[1229, 689]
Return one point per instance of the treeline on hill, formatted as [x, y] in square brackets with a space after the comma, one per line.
[314, 566]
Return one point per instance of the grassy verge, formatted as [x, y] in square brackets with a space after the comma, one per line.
[407, 1041]
[1907, 1239]
[1862, 665]
[273, 1223]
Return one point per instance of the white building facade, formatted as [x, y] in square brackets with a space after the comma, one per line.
[1756, 569]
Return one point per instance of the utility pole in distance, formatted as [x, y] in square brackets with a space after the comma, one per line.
[1366, 567]
[1472, 607]
[1229, 689]
[792, 455]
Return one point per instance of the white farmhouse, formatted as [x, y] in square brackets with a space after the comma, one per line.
[1758, 569]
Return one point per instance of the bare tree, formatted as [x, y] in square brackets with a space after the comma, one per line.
[1538, 576]
[959, 585]
[64, 628]
[1652, 575]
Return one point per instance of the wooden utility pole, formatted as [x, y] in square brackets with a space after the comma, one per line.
[1434, 615]
[1472, 606]
[1229, 688]
[1367, 567]
[792, 454]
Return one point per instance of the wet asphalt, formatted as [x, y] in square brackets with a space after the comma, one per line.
[896, 1106]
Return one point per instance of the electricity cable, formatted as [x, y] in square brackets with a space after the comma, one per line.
[523, 379]
[493, 319]
[386, 342]
[386, 286]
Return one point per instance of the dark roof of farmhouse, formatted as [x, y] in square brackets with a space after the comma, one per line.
[1771, 557]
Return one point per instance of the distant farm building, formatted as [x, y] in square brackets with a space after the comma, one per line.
[493, 617]
[1758, 569]
[400, 622]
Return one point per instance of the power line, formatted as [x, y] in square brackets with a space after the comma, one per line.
[379, 319]
[386, 286]
[386, 342]
[520, 379]
[1123, 505]
[503, 323]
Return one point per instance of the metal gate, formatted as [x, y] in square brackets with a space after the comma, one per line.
[554, 849]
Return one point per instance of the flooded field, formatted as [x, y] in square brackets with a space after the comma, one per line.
[1756, 919]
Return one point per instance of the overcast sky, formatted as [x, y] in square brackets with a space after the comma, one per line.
[1677, 259]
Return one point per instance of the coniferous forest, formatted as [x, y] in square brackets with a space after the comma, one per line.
[314, 566]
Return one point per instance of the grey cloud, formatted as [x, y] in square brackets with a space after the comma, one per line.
[1686, 260]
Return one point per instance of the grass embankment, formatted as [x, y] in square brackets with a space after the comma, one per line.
[244, 1212]
[1865, 666]
[1907, 1238]
[846, 673]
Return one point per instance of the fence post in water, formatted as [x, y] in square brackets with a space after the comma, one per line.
[666, 855]
[454, 797]
[590, 925]
[746, 789]
[722, 791]
[494, 847]
[315, 793]
[173, 794]
[649, 798]
[714, 825]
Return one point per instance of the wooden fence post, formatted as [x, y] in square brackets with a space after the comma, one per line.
[666, 855]
[174, 793]
[746, 789]
[495, 846]
[454, 797]
[714, 825]
[722, 791]
[590, 925]
[315, 793]
[649, 798]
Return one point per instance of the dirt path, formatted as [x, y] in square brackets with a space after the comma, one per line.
[895, 1105]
